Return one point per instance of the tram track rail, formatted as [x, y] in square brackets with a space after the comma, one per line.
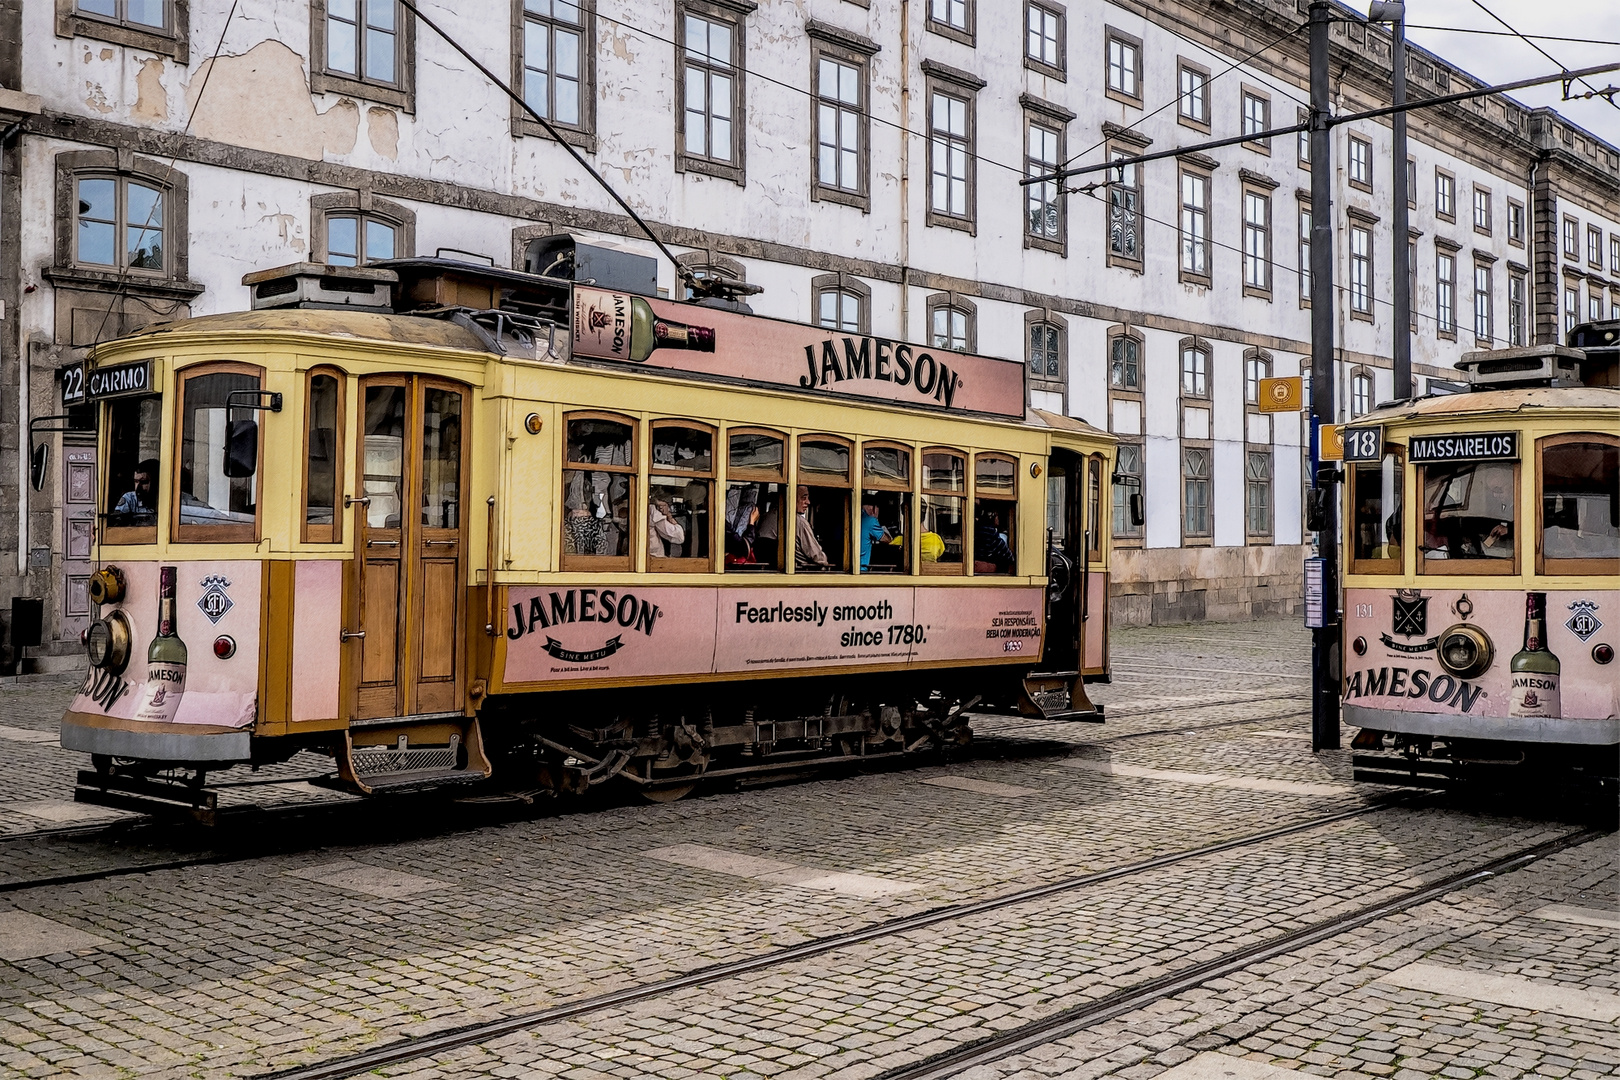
[416, 1048]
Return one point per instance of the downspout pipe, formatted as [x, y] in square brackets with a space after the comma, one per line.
[23, 374]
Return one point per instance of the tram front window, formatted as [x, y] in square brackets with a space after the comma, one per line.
[134, 474]
[218, 466]
[1375, 498]
[1469, 511]
[1580, 501]
[596, 501]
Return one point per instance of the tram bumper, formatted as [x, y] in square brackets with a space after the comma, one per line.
[1518, 729]
[150, 742]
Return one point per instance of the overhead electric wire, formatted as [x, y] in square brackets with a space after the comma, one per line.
[1512, 33]
[1609, 97]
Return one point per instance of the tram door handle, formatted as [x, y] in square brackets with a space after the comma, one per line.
[440, 543]
[345, 636]
[382, 543]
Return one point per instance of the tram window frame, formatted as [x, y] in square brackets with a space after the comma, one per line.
[939, 567]
[838, 562]
[998, 504]
[140, 417]
[567, 560]
[1390, 564]
[1476, 566]
[890, 491]
[1099, 494]
[331, 533]
[737, 476]
[1565, 566]
[695, 564]
[233, 532]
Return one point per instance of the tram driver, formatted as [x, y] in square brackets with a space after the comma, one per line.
[139, 504]
[1470, 512]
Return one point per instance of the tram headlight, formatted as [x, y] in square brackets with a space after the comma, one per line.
[1466, 651]
[106, 586]
[106, 643]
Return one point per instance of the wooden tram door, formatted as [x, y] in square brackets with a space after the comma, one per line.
[410, 544]
[1066, 560]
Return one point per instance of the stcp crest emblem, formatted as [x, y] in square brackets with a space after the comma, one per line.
[1411, 613]
[1584, 623]
[214, 601]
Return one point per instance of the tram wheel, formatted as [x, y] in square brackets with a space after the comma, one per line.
[668, 794]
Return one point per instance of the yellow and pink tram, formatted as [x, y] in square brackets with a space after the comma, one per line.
[445, 521]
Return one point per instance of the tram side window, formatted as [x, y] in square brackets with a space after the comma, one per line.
[995, 493]
[219, 456]
[597, 498]
[1375, 499]
[134, 474]
[885, 509]
[1469, 517]
[756, 484]
[821, 506]
[943, 503]
[679, 521]
[1580, 503]
[441, 458]
[321, 460]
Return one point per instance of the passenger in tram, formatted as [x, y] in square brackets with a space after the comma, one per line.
[991, 555]
[807, 550]
[662, 528]
[872, 532]
[1468, 512]
[139, 504]
[742, 524]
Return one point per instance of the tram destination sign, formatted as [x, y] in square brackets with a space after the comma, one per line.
[1471, 446]
[117, 380]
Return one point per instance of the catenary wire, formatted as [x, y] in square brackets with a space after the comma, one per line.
[1512, 33]
[1543, 52]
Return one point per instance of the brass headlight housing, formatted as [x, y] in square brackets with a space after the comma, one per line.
[106, 586]
[1466, 651]
[106, 642]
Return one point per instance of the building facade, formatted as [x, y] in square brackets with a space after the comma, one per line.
[859, 159]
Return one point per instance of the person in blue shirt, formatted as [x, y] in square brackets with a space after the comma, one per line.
[872, 532]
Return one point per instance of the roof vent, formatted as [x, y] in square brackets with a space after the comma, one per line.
[1539, 365]
[321, 287]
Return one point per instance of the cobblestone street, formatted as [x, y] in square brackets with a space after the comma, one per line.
[323, 927]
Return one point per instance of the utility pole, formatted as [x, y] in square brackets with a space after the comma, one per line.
[1324, 492]
[1394, 12]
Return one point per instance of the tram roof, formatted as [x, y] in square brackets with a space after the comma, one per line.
[1442, 406]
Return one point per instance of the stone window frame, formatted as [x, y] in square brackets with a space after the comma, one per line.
[1365, 223]
[1302, 142]
[1194, 344]
[1053, 117]
[1411, 182]
[1250, 536]
[1358, 374]
[1571, 245]
[174, 41]
[1255, 355]
[1515, 215]
[1614, 253]
[1445, 249]
[1483, 260]
[1184, 170]
[1594, 246]
[1207, 448]
[401, 95]
[1445, 182]
[1136, 535]
[856, 51]
[1034, 317]
[361, 204]
[944, 29]
[734, 12]
[1134, 143]
[710, 264]
[942, 79]
[1302, 248]
[1571, 308]
[1245, 94]
[954, 300]
[1204, 96]
[1412, 238]
[1137, 394]
[522, 235]
[1060, 70]
[1518, 322]
[582, 134]
[1110, 36]
[1354, 142]
[1131, 333]
[841, 282]
[1253, 183]
[1476, 207]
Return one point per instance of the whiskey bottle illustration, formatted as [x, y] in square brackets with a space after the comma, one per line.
[1534, 669]
[619, 326]
[165, 659]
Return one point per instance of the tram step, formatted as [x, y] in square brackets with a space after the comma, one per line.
[411, 756]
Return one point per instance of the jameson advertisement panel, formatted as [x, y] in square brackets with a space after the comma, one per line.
[709, 341]
[1498, 653]
[577, 633]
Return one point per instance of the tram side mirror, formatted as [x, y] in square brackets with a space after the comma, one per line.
[1138, 513]
[1316, 509]
[242, 449]
[38, 462]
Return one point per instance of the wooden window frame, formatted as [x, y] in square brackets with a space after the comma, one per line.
[1366, 146]
[1207, 448]
[1373, 566]
[889, 485]
[1594, 247]
[1050, 384]
[1360, 371]
[1365, 227]
[1441, 330]
[327, 205]
[1563, 567]
[401, 93]
[963, 87]
[1138, 537]
[731, 475]
[1302, 251]
[1427, 567]
[1260, 539]
[700, 565]
[841, 283]
[1444, 180]
[956, 302]
[1195, 344]
[212, 534]
[1185, 65]
[939, 569]
[637, 521]
[583, 133]
[1570, 244]
[131, 535]
[790, 513]
[1259, 146]
[1060, 70]
[1268, 228]
[333, 533]
[1057, 123]
[1474, 209]
[909, 558]
[851, 50]
[1110, 36]
[735, 14]
[1183, 274]
[1302, 141]
[1138, 262]
[970, 541]
[1515, 214]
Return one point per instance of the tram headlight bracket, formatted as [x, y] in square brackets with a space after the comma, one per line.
[1465, 651]
[107, 643]
[106, 586]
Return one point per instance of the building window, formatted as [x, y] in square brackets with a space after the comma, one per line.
[1482, 303]
[355, 239]
[711, 93]
[1572, 309]
[1192, 87]
[1258, 492]
[1411, 284]
[1482, 211]
[1445, 294]
[1572, 245]
[146, 14]
[1594, 247]
[353, 229]
[1043, 219]
[1195, 225]
[1361, 391]
[1361, 271]
[1411, 183]
[1303, 140]
[556, 61]
[1128, 462]
[952, 18]
[121, 224]
[1305, 254]
[1614, 254]
[1257, 242]
[1194, 371]
[1195, 491]
[1045, 360]
[1360, 163]
[1515, 223]
[1445, 195]
[950, 157]
[1256, 366]
[1043, 39]
[1256, 117]
[1125, 363]
[159, 26]
[1125, 214]
[1516, 287]
[951, 322]
[842, 303]
[1124, 60]
[362, 47]
[1594, 306]
[841, 129]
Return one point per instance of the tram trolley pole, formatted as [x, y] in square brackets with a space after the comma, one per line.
[1324, 492]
